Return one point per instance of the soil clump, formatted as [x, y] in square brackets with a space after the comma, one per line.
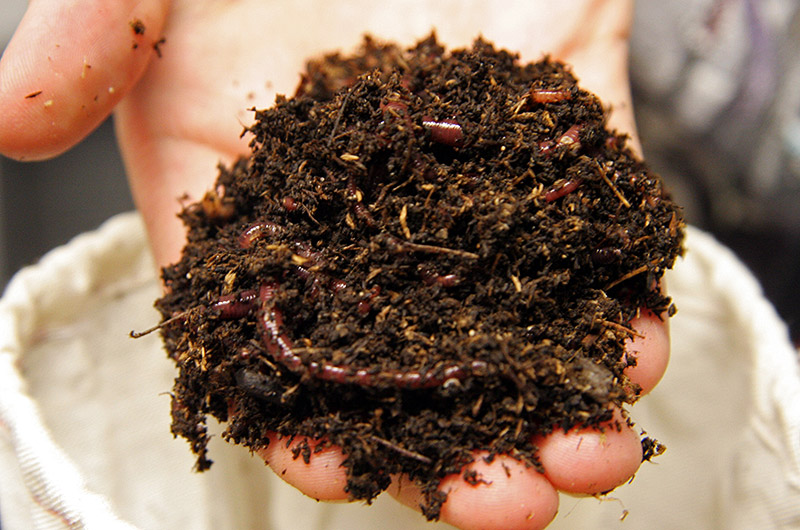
[427, 253]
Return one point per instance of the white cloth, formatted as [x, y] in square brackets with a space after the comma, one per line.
[84, 412]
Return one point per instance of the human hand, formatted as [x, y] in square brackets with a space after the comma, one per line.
[178, 116]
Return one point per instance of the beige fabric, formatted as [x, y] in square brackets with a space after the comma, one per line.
[84, 412]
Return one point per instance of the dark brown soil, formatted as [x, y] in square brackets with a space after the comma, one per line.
[426, 254]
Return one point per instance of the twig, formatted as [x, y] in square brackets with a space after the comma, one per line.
[404, 221]
[432, 249]
[139, 334]
[619, 195]
[622, 328]
[405, 452]
[339, 116]
[627, 276]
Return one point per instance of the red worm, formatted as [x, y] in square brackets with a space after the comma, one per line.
[257, 231]
[447, 132]
[364, 214]
[546, 147]
[279, 346]
[430, 277]
[233, 306]
[289, 204]
[606, 255]
[548, 95]
[569, 139]
[365, 306]
[556, 192]
[447, 280]
[394, 107]
[354, 195]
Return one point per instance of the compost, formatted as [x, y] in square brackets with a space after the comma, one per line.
[427, 253]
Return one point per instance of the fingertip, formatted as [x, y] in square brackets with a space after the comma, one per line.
[322, 478]
[501, 494]
[505, 494]
[66, 68]
[591, 460]
[650, 347]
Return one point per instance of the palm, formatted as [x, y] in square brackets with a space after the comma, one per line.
[222, 58]
[185, 115]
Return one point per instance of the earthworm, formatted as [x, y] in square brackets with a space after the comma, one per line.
[289, 204]
[605, 255]
[279, 346]
[319, 279]
[362, 212]
[338, 285]
[570, 136]
[447, 132]
[569, 139]
[233, 306]
[548, 95]
[305, 251]
[556, 192]
[257, 231]
[302, 272]
[354, 195]
[394, 106]
[446, 280]
[430, 277]
[365, 305]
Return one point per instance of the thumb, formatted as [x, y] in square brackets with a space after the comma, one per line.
[67, 66]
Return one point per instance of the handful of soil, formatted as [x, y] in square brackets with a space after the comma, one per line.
[426, 254]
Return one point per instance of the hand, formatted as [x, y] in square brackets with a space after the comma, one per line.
[178, 115]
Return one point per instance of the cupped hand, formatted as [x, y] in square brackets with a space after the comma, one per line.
[181, 76]
[508, 495]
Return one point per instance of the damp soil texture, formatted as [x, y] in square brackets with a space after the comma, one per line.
[427, 253]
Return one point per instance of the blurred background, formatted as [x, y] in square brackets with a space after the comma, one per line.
[717, 94]
[717, 98]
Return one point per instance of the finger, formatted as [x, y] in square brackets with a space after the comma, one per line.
[165, 176]
[322, 478]
[187, 113]
[590, 460]
[67, 66]
[583, 461]
[595, 460]
[505, 495]
[598, 51]
[650, 348]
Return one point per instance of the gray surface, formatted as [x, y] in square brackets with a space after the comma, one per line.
[717, 96]
[45, 204]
